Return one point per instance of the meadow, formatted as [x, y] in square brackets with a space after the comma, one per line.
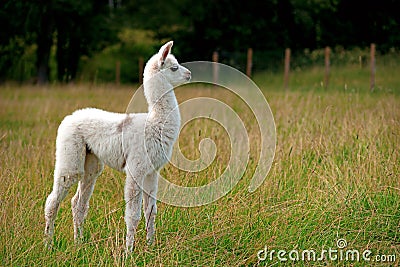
[335, 176]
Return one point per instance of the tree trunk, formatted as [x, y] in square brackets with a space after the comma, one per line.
[74, 55]
[68, 53]
[61, 53]
[44, 43]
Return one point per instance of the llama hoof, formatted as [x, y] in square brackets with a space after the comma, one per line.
[129, 250]
[78, 241]
[127, 254]
[150, 241]
[48, 244]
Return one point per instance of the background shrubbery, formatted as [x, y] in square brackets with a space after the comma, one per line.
[65, 40]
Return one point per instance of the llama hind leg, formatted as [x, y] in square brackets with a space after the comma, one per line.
[70, 160]
[150, 186]
[62, 184]
[133, 198]
[80, 202]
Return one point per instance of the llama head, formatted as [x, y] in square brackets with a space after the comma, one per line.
[163, 73]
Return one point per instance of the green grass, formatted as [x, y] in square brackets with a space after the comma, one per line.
[335, 175]
[350, 78]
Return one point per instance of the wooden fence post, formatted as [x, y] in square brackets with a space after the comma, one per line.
[141, 66]
[249, 62]
[373, 67]
[215, 58]
[118, 73]
[287, 68]
[327, 66]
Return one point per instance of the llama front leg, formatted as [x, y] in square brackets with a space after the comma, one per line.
[150, 186]
[133, 199]
[80, 202]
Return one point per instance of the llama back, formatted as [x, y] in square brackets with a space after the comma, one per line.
[94, 131]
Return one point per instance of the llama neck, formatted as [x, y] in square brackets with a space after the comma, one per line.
[165, 108]
[160, 96]
[164, 120]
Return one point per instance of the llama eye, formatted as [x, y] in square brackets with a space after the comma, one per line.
[174, 68]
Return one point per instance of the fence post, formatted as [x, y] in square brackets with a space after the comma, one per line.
[287, 68]
[249, 62]
[327, 66]
[141, 66]
[118, 73]
[215, 59]
[373, 67]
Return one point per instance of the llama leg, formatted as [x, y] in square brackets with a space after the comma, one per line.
[133, 199]
[80, 202]
[150, 186]
[62, 183]
[70, 160]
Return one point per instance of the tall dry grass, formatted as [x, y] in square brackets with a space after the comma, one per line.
[335, 175]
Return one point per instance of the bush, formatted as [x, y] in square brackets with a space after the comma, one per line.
[133, 45]
[17, 60]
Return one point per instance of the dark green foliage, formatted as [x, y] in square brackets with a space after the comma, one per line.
[35, 33]
[74, 28]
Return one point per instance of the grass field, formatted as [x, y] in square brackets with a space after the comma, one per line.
[335, 176]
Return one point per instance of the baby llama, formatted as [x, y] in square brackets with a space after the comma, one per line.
[138, 144]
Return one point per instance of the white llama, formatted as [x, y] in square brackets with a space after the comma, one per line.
[138, 144]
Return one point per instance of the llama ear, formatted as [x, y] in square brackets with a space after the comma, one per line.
[165, 50]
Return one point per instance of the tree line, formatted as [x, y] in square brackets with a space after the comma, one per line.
[54, 35]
